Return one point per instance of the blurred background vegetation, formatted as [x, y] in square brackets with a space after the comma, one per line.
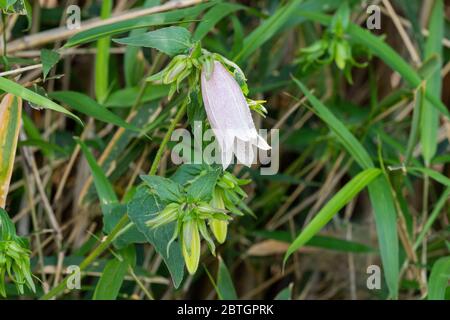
[386, 87]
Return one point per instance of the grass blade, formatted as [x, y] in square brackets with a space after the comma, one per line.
[28, 95]
[10, 120]
[225, 286]
[440, 275]
[82, 103]
[347, 193]
[104, 188]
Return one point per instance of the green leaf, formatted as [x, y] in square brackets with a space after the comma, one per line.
[170, 40]
[133, 60]
[350, 143]
[203, 186]
[111, 216]
[386, 225]
[275, 23]
[125, 97]
[320, 241]
[439, 177]
[439, 279]
[163, 18]
[108, 287]
[7, 228]
[225, 287]
[49, 59]
[213, 16]
[104, 188]
[342, 197]
[430, 117]
[379, 191]
[30, 96]
[285, 294]
[142, 208]
[10, 119]
[163, 188]
[82, 103]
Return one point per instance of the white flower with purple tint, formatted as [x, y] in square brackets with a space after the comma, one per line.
[229, 115]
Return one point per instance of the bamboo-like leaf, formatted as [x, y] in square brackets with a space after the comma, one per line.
[90, 107]
[430, 116]
[104, 188]
[49, 59]
[213, 16]
[10, 120]
[350, 143]
[26, 94]
[225, 287]
[379, 191]
[439, 279]
[439, 177]
[347, 193]
[171, 40]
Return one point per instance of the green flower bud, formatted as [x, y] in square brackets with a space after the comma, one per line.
[219, 228]
[175, 71]
[191, 245]
[167, 215]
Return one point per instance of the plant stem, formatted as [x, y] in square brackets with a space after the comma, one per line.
[89, 259]
[124, 221]
[161, 149]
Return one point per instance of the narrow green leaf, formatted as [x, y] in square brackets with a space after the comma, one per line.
[110, 282]
[225, 286]
[350, 143]
[285, 294]
[379, 192]
[104, 188]
[213, 16]
[163, 18]
[342, 197]
[170, 40]
[37, 99]
[430, 116]
[49, 59]
[439, 177]
[84, 104]
[10, 120]
[439, 279]
[124, 98]
[386, 225]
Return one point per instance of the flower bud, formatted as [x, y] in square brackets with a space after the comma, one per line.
[167, 215]
[175, 71]
[219, 228]
[191, 245]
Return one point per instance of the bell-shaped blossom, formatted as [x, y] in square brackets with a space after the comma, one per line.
[229, 115]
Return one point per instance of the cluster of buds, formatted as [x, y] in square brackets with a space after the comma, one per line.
[188, 66]
[14, 257]
[192, 218]
[191, 221]
[228, 195]
[333, 46]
